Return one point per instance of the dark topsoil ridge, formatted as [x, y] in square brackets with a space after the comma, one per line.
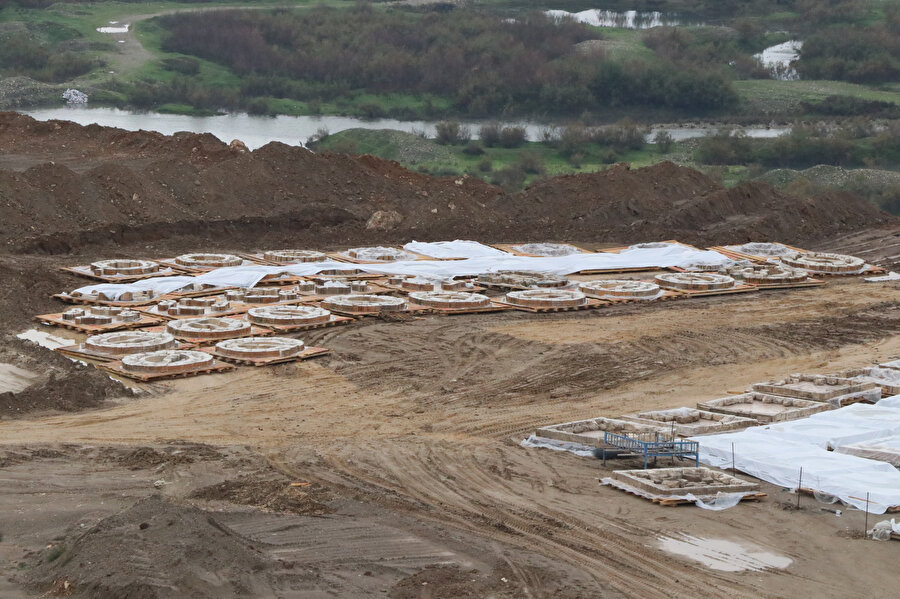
[67, 188]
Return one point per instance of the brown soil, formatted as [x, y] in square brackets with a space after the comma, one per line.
[68, 188]
[409, 432]
[269, 495]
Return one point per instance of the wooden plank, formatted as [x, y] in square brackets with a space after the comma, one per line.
[80, 352]
[509, 248]
[85, 271]
[307, 354]
[590, 305]
[708, 292]
[57, 320]
[117, 369]
[334, 321]
[69, 299]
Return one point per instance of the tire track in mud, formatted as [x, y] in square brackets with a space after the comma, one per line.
[458, 485]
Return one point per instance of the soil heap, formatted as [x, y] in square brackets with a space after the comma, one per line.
[65, 187]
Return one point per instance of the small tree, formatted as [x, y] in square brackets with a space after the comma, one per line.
[513, 137]
[664, 141]
[490, 134]
[447, 132]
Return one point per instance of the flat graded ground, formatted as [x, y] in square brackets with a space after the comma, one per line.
[409, 435]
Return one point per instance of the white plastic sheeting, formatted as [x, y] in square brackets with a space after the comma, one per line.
[830, 430]
[883, 530]
[890, 402]
[773, 456]
[543, 443]
[248, 276]
[883, 449]
[445, 250]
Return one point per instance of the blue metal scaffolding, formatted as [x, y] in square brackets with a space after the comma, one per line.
[652, 445]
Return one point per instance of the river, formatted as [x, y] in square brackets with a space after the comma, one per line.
[257, 131]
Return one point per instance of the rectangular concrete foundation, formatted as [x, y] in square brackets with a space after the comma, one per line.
[687, 422]
[663, 482]
[764, 408]
[886, 378]
[590, 432]
[886, 449]
[818, 387]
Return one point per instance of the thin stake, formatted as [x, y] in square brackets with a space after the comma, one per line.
[733, 469]
[799, 487]
[866, 529]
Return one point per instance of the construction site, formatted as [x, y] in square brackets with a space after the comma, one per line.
[286, 374]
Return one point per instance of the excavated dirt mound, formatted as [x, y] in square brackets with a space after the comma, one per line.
[669, 201]
[66, 187]
[269, 495]
[140, 554]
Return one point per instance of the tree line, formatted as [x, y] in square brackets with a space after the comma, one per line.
[486, 65]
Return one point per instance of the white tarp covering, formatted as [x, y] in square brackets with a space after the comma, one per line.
[445, 250]
[890, 402]
[884, 449]
[776, 453]
[248, 276]
[830, 430]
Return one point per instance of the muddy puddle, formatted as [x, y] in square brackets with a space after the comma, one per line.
[14, 379]
[724, 555]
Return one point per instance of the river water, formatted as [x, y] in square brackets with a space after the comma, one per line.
[257, 131]
[627, 19]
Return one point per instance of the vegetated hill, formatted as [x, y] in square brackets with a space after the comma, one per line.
[879, 186]
[193, 191]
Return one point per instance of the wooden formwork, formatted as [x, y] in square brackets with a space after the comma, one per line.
[668, 294]
[255, 331]
[411, 309]
[334, 321]
[621, 248]
[93, 329]
[80, 352]
[589, 305]
[664, 501]
[340, 257]
[735, 255]
[494, 307]
[801, 285]
[508, 248]
[70, 299]
[85, 271]
[236, 308]
[307, 354]
[117, 369]
[686, 293]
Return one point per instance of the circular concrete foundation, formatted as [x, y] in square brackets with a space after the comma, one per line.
[547, 249]
[824, 263]
[762, 248]
[694, 281]
[546, 298]
[333, 288]
[523, 278]
[123, 268]
[653, 245]
[288, 315]
[129, 342]
[770, 274]
[452, 300]
[365, 303]
[621, 289]
[294, 256]
[99, 315]
[208, 328]
[258, 348]
[167, 361]
[208, 260]
[380, 254]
